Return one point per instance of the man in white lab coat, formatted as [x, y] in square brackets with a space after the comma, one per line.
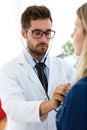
[24, 99]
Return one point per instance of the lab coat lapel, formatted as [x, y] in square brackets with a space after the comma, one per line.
[30, 72]
[52, 77]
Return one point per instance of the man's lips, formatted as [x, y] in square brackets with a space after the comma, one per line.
[43, 46]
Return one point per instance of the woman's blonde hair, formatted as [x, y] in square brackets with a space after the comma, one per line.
[82, 66]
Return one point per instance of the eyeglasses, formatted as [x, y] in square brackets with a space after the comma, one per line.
[36, 34]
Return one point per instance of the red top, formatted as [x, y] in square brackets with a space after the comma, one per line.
[2, 113]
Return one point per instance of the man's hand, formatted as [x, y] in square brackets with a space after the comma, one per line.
[59, 94]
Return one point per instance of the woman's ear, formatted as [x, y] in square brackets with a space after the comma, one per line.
[23, 32]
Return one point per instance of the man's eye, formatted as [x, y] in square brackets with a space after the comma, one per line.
[48, 33]
[37, 32]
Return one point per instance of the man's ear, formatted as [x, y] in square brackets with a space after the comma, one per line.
[23, 32]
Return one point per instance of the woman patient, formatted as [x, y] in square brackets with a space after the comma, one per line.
[72, 114]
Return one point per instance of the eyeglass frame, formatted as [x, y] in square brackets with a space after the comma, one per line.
[29, 30]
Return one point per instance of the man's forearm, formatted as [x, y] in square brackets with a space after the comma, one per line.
[46, 107]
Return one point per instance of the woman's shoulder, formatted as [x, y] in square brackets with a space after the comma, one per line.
[81, 82]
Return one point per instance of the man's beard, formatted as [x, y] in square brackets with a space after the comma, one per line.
[36, 51]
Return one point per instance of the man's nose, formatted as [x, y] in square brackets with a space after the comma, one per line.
[43, 37]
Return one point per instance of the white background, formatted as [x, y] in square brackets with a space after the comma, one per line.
[63, 14]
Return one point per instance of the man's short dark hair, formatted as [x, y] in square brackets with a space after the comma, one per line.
[33, 13]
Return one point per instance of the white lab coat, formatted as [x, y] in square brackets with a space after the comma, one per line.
[22, 92]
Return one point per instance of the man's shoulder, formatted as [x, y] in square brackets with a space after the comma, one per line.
[58, 61]
[12, 64]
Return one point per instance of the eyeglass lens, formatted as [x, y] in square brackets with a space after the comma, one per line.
[38, 34]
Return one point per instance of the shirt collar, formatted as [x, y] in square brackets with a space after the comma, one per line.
[31, 61]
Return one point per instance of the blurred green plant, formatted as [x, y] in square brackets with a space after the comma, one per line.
[67, 49]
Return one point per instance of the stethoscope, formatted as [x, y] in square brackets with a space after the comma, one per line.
[46, 55]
